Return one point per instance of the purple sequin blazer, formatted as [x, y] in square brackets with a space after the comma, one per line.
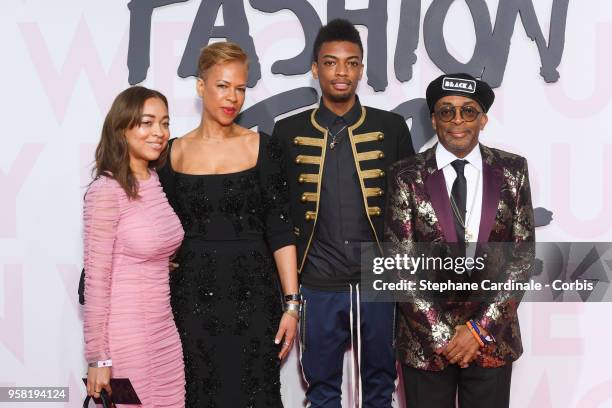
[419, 210]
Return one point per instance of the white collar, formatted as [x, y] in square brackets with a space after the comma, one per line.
[444, 157]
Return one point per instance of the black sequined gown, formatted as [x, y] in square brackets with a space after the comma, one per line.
[225, 294]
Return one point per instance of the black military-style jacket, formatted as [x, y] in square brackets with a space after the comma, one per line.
[378, 139]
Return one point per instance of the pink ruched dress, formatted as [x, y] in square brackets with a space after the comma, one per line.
[127, 314]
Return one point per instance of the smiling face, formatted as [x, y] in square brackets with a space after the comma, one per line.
[458, 136]
[338, 69]
[223, 90]
[148, 138]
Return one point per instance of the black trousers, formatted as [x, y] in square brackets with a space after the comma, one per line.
[472, 387]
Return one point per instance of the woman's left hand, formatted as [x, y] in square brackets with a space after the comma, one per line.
[287, 329]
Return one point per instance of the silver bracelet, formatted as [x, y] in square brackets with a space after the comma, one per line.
[293, 297]
[102, 363]
[297, 307]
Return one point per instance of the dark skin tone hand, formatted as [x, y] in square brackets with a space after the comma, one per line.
[462, 364]
[463, 347]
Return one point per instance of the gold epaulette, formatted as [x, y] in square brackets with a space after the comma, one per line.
[308, 141]
[369, 137]
[303, 159]
[376, 211]
[372, 155]
[374, 173]
[310, 215]
[308, 196]
[308, 178]
[374, 192]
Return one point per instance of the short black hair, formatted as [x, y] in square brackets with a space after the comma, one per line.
[336, 30]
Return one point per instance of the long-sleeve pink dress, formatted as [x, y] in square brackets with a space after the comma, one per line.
[127, 314]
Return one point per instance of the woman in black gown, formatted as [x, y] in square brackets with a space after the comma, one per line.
[226, 184]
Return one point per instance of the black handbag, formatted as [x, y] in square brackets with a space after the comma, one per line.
[82, 287]
[104, 397]
[123, 393]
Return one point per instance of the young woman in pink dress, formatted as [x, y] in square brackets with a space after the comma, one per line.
[130, 232]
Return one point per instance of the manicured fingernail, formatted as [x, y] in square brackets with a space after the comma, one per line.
[276, 341]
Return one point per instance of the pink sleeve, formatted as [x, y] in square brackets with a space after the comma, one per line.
[100, 219]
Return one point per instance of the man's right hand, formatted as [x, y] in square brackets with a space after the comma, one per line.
[463, 347]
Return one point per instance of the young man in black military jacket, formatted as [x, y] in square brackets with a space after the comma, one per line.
[337, 159]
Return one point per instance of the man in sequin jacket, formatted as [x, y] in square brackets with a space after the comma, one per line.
[461, 191]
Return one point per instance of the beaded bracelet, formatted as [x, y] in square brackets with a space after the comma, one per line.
[485, 339]
[476, 336]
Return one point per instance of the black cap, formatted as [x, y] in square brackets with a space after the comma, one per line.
[462, 85]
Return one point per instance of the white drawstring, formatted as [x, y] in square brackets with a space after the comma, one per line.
[303, 335]
[359, 345]
[352, 362]
[357, 387]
